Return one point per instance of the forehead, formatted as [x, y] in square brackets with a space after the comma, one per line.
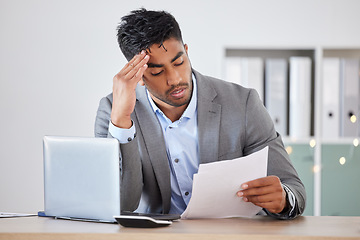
[166, 51]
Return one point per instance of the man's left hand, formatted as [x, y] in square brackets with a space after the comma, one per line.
[265, 192]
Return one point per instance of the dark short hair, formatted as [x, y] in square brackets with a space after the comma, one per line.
[142, 28]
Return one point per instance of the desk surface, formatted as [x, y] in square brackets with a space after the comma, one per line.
[260, 227]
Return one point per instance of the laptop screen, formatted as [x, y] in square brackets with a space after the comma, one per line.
[81, 178]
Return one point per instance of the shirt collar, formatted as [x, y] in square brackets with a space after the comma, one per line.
[191, 108]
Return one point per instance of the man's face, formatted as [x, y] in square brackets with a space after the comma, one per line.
[168, 76]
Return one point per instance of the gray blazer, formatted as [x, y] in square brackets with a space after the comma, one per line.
[232, 122]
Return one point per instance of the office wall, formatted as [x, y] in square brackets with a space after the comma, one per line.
[57, 59]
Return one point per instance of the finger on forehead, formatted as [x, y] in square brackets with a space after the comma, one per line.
[133, 62]
[138, 66]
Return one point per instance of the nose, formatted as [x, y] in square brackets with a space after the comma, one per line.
[173, 77]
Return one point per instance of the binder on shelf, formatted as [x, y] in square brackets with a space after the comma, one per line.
[349, 97]
[233, 69]
[330, 98]
[300, 97]
[253, 74]
[276, 92]
[246, 71]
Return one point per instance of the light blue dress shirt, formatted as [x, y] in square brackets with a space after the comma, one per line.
[181, 139]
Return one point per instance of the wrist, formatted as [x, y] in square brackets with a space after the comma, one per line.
[125, 123]
[290, 201]
[287, 205]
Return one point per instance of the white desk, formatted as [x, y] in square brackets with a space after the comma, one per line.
[236, 228]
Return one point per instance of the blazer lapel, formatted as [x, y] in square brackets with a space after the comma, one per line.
[209, 114]
[155, 144]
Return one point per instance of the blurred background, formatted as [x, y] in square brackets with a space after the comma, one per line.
[58, 58]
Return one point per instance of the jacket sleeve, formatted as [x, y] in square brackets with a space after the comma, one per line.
[131, 182]
[260, 132]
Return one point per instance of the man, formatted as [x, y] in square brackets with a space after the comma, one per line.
[169, 119]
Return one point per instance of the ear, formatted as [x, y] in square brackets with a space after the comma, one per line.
[141, 82]
[186, 48]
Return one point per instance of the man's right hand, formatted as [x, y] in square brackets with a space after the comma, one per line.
[124, 84]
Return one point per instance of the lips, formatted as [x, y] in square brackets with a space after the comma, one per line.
[178, 93]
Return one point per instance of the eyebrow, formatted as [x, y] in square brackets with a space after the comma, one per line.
[154, 65]
[177, 56]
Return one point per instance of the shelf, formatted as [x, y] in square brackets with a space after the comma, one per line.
[318, 160]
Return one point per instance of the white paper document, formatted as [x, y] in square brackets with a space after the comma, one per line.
[216, 184]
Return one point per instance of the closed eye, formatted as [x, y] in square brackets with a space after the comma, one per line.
[178, 64]
[157, 74]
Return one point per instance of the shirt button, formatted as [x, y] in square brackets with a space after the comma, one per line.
[129, 139]
[187, 193]
[176, 160]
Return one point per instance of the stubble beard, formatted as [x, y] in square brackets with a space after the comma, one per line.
[167, 98]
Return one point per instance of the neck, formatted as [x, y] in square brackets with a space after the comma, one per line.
[171, 112]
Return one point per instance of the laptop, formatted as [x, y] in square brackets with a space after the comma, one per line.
[81, 178]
